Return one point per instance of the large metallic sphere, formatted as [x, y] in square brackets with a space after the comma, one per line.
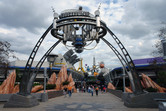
[101, 64]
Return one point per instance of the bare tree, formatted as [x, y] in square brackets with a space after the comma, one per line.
[159, 68]
[158, 51]
[5, 54]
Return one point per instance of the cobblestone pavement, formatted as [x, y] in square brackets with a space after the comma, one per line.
[81, 102]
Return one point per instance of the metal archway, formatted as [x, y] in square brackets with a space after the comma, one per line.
[66, 29]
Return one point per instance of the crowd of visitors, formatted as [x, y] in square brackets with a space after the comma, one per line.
[90, 89]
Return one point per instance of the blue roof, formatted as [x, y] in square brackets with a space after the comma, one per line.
[145, 62]
[149, 60]
[19, 67]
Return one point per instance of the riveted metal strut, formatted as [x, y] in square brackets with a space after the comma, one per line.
[136, 86]
[27, 71]
[121, 59]
[38, 66]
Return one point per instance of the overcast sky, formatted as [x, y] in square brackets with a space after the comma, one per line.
[135, 22]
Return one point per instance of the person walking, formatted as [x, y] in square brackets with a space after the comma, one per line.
[65, 91]
[69, 90]
[91, 90]
[104, 89]
[97, 89]
[83, 89]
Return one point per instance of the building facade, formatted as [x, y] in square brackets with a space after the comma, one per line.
[148, 66]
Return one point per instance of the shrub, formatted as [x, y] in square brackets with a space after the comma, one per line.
[162, 78]
[119, 88]
[50, 86]
[18, 75]
[36, 83]
[65, 83]
[16, 83]
[150, 89]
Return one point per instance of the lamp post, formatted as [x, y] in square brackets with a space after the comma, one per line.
[51, 59]
[124, 79]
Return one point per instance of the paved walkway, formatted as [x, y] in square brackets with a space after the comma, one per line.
[81, 102]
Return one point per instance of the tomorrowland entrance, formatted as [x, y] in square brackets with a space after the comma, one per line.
[77, 28]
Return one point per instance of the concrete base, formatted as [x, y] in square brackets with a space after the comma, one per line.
[44, 97]
[146, 100]
[17, 100]
[117, 93]
[53, 94]
[162, 106]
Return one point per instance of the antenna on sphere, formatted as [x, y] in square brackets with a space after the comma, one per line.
[53, 9]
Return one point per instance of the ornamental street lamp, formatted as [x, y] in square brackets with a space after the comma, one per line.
[124, 75]
[51, 59]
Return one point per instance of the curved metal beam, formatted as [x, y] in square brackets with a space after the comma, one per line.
[121, 59]
[123, 49]
[38, 66]
[26, 75]
[137, 88]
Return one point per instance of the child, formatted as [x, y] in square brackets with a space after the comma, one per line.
[65, 91]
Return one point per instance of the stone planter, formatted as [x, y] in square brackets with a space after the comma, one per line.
[145, 100]
[117, 93]
[39, 96]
